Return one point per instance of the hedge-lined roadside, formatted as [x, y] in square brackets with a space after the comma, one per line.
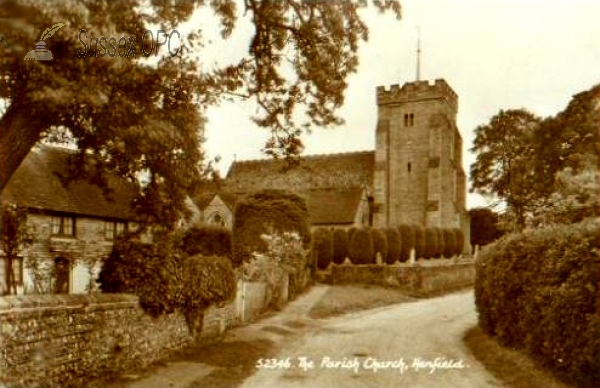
[539, 291]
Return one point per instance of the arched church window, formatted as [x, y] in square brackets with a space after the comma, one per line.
[217, 219]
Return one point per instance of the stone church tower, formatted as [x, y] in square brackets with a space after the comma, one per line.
[419, 177]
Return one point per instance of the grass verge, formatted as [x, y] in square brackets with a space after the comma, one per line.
[510, 366]
[340, 300]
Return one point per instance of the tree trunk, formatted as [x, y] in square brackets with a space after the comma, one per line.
[20, 129]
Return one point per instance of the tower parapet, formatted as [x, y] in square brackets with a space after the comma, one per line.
[417, 91]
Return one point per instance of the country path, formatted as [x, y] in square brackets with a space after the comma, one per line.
[410, 332]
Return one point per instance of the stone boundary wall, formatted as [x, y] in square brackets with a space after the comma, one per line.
[420, 278]
[64, 340]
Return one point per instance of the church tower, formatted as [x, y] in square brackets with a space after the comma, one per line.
[419, 177]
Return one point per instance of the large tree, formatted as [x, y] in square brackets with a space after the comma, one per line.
[570, 139]
[503, 166]
[131, 116]
[484, 226]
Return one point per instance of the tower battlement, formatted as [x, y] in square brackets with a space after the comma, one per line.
[417, 91]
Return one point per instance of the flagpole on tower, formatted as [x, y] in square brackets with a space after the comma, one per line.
[418, 53]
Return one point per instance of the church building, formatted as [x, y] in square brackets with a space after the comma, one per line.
[414, 175]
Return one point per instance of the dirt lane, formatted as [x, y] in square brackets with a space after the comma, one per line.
[403, 340]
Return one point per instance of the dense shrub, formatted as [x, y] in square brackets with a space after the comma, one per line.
[449, 242]
[441, 243]
[350, 233]
[539, 291]
[419, 241]
[431, 243]
[459, 236]
[207, 280]
[407, 238]
[340, 245]
[322, 247]
[149, 271]
[361, 249]
[207, 241]
[285, 257]
[394, 247]
[265, 212]
[380, 244]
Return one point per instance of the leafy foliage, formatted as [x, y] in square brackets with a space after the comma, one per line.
[539, 291]
[449, 242]
[431, 243]
[207, 280]
[133, 116]
[207, 241]
[575, 198]
[340, 245]
[394, 245]
[522, 160]
[361, 247]
[322, 247]
[441, 242]
[153, 272]
[459, 237]
[380, 244]
[419, 241]
[15, 236]
[484, 226]
[265, 212]
[285, 255]
[407, 236]
[504, 159]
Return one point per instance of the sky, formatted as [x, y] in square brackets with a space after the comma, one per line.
[495, 54]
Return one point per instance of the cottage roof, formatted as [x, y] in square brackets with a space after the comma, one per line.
[328, 171]
[37, 185]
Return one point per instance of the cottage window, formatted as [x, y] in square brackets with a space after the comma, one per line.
[63, 226]
[17, 267]
[113, 229]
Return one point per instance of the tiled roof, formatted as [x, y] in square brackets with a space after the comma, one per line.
[204, 199]
[36, 184]
[339, 171]
[331, 206]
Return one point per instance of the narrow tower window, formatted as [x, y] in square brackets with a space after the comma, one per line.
[409, 167]
[406, 120]
[411, 119]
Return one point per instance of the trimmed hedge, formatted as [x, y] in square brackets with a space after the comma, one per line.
[449, 242]
[459, 235]
[351, 232]
[441, 243]
[431, 243]
[322, 247]
[539, 291]
[340, 245]
[361, 249]
[394, 247]
[207, 241]
[407, 238]
[264, 211]
[419, 241]
[380, 244]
